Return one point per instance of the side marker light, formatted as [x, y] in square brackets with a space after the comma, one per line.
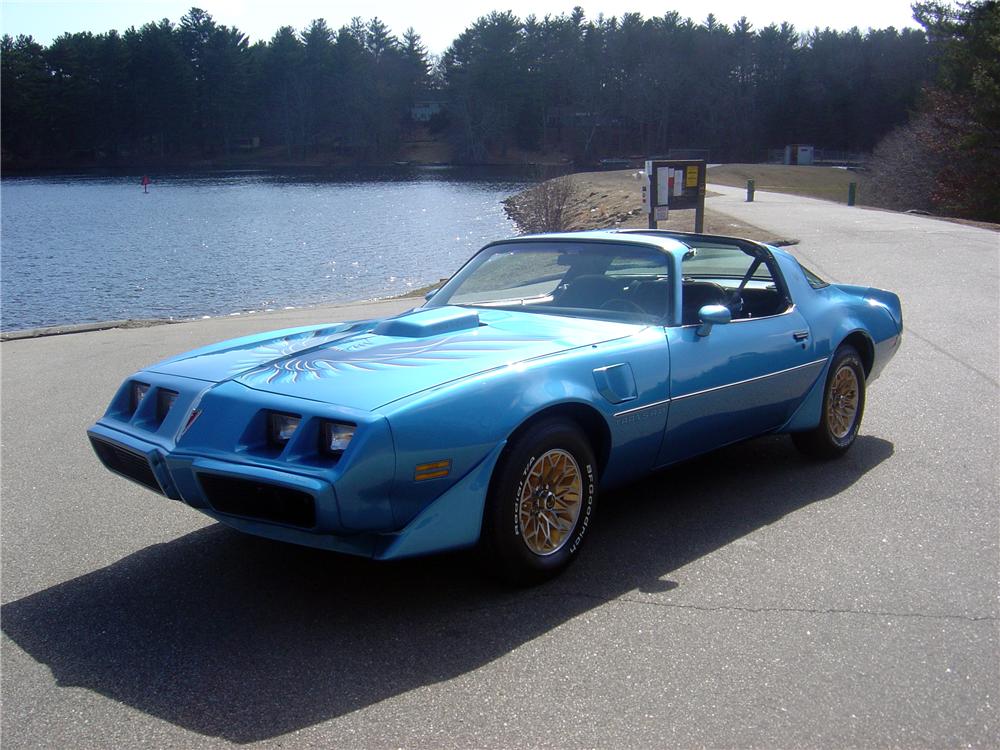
[432, 470]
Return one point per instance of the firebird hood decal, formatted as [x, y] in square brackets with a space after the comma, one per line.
[229, 359]
[373, 353]
[350, 365]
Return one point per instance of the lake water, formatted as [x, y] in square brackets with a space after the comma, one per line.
[85, 248]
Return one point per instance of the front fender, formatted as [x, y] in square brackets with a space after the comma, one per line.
[460, 427]
[460, 423]
[453, 521]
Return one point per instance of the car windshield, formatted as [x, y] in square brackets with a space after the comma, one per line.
[611, 281]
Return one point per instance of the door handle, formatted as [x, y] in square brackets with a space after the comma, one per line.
[800, 335]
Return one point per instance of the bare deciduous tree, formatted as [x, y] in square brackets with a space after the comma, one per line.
[904, 168]
[542, 208]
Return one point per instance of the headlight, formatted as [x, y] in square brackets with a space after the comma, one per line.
[335, 437]
[138, 391]
[281, 427]
[164, 400]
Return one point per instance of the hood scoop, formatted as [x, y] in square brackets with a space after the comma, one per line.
[428, 322]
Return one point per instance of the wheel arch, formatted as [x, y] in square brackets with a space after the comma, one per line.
[807, 415]
[504, 545]
[864, 346]
[590, 421]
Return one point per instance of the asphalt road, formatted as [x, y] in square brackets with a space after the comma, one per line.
[749, 599]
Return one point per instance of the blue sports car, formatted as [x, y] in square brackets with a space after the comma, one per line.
[548, 369]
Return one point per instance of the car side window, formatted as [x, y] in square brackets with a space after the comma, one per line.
[729, 276]
[814, 281]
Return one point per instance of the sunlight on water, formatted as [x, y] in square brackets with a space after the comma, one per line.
[81, 249]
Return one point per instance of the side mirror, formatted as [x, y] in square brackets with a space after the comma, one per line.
[712, 315]
[431, 293]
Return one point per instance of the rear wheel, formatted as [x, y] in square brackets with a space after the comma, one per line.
[843, 407]
[540, 503]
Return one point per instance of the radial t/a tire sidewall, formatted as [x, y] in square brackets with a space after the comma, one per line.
[506, 552]
[820, 442]
[844, 356]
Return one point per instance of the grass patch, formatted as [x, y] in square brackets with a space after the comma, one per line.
[826, 183]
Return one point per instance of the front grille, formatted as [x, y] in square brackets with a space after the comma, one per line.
[259, 501]
[128, 463]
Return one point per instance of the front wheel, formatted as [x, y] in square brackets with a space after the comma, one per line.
[540, 503]
[843, 407]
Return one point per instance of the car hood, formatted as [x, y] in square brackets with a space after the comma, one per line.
[367, 364]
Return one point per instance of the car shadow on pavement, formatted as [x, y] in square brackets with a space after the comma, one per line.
[246, 639]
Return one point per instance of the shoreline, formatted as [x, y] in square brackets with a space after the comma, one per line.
[126, 169]
[404, 160]
[66, 329]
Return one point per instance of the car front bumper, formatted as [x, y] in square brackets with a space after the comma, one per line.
[291, 507]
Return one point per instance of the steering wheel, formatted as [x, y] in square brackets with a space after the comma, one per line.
[620, 303]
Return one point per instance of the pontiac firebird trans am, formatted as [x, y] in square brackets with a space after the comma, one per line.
[549, 368]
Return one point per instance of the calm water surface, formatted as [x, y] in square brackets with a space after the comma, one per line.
[82, 248]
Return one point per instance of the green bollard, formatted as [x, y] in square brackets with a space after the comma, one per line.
[750, 187]
[852, 193]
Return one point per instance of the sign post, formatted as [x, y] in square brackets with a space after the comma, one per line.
[676, 184]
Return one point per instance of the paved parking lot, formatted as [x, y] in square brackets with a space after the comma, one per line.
[750, 598]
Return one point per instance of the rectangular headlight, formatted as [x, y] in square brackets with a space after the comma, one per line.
[335, 437]
[281, 427]
[164, 401]
[139, 390]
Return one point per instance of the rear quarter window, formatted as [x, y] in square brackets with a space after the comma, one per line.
[814, 281]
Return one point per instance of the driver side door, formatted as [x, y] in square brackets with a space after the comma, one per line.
[745, 377]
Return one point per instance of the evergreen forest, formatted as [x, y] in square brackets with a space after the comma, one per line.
[507, 90]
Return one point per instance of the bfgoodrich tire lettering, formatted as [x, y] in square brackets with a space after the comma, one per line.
[843, 407]
[540, 504]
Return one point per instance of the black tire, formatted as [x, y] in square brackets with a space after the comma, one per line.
[839, 420]
[514, 545]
